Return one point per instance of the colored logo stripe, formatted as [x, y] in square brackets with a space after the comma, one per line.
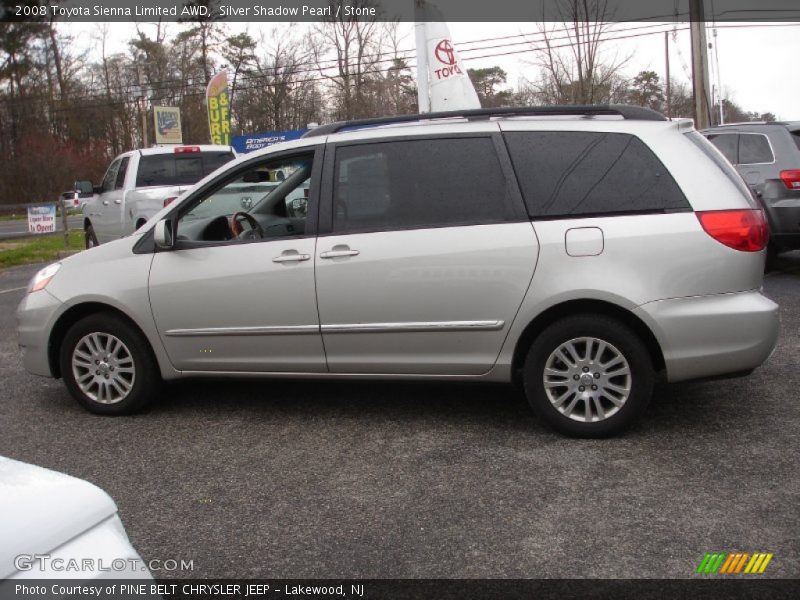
[725, 563]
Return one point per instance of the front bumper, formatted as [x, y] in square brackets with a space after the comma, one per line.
[36, 315]
[708, 336]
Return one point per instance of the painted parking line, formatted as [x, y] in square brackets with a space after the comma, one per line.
[12, 290]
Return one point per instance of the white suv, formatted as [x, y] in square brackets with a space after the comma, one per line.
[583, 249]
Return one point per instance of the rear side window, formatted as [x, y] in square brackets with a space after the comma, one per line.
[754, 148]
[796, 137]
[712, 152]
[578, 173]
[728, 144]
[178, 169]
[407, 184]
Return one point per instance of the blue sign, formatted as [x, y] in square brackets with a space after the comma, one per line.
[256, 141]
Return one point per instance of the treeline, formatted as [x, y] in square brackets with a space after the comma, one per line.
[65, 114]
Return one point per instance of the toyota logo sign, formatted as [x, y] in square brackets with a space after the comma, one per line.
[445, 53]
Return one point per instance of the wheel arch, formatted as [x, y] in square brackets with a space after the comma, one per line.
[74, 314]
[586, 306]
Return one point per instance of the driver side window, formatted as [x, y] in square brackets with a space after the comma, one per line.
[269, 200]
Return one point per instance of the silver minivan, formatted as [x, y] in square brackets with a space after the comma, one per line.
[584, 252]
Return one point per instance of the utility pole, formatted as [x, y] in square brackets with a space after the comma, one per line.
[719, 77]
[699, 64]
[669, 91]
[143, 98]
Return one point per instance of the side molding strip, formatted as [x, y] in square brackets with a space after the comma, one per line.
[421, 326]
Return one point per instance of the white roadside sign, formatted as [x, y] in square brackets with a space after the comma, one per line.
[42, 219]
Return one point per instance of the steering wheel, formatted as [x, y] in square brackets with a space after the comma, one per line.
[237, 228]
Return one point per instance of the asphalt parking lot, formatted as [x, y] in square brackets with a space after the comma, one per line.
[309, 479]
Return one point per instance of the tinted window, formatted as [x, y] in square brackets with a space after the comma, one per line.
[754, 148]
[727, 143]
[123, 168]
[178, 169]
[419, 183]
[585, 173]
[796, 138]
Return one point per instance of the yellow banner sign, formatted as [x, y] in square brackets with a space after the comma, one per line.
[168, 125]
[219, 109]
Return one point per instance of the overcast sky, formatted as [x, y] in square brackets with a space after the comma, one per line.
[757, 64]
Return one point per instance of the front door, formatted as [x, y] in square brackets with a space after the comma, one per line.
[428, 258]
[237, 292]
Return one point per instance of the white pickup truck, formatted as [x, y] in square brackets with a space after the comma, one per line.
[139, 183]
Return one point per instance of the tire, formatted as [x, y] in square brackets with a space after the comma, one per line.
[562, 401]
[90, 238]
[126, 376]
[771, 261]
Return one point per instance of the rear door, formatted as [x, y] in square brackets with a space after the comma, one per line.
[425, 255]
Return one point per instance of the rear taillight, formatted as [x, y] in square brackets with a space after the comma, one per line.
[186, 149]
[791, 179]
[168, 201]
[744, 230]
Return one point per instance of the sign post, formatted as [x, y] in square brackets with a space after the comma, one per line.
[64, 222]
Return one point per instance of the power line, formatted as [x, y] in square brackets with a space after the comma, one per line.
[198, 88]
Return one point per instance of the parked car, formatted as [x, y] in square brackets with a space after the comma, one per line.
[60, 527]
[767, 156]
[74, 199]
[583, 253]
[139, 183]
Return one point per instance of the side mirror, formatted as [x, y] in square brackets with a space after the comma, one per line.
[83, 187]
[162, 235]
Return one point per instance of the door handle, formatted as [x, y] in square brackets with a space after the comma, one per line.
[291, 257]
[118, 201]
[105, 202]
[338, 253]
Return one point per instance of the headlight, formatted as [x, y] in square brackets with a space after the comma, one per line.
[43, 277]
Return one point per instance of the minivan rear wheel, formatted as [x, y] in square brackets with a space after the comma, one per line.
[588, 376]
[107, 365]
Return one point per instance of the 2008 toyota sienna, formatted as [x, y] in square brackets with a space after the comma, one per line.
[583, 251]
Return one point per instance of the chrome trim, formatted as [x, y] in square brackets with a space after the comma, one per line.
[414, 326]
[341, 328]
[339, 253]
[291, 258]
[218, 331]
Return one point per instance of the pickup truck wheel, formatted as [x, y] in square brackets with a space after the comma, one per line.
[90, 237]
[107, 365]
[588, 376]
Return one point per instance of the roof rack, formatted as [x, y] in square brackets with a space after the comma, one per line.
[636, 113]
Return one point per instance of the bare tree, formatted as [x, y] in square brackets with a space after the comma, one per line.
[574, 70]
[348, 52]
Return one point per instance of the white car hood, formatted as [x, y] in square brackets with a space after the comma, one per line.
[41, 509]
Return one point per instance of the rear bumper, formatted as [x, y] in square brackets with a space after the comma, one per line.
[784, 221]
[35, 317]
[709, 336]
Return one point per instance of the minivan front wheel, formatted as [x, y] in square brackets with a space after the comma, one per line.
[588, 376]
[107, 365]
